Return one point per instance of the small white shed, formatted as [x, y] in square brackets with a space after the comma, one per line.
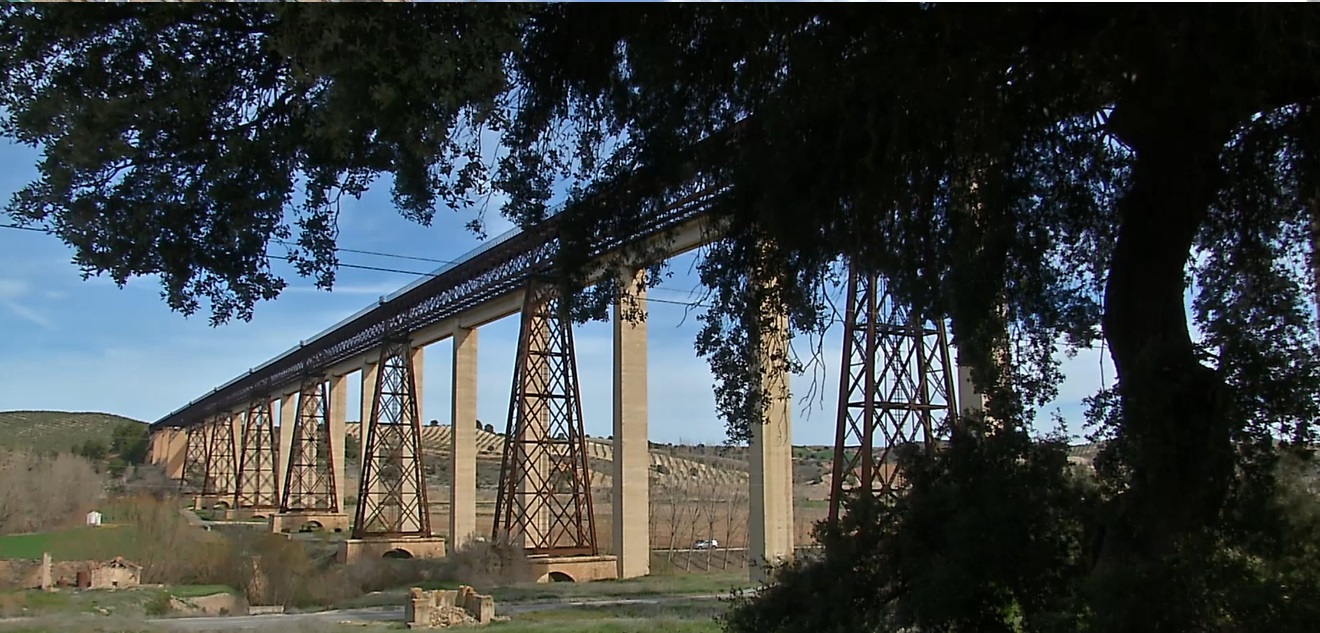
[93, 518]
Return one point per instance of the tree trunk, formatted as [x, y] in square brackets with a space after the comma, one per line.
[1175, 412]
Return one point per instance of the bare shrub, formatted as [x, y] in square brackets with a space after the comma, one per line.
[42, 492]
[266, 568]
[480, 564]
[170, 549]
[483, 564]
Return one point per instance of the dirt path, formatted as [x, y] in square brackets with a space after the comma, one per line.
[395, 614]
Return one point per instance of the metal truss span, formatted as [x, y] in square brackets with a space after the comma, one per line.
[896, 389]
[495, 269]
[544, 500]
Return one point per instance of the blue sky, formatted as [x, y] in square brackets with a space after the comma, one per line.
[77, 345]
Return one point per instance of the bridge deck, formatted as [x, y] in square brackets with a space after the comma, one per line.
[488, 272]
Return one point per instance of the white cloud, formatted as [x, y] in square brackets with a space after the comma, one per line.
[11, 291]
[29, 314]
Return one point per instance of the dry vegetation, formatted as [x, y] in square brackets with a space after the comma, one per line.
[38, 492]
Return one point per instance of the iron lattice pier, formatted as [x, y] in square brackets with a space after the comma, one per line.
[896, 388]
[544, 499]
[256, 486]
[309, 483]
[392, 494]
[197, 444]
[220, 463]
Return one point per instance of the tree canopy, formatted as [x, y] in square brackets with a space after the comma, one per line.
[1042, 175]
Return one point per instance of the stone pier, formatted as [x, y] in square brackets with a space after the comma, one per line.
[463, 440]
[288, 419]
[632, 460]
[770, 529]
[338, 409]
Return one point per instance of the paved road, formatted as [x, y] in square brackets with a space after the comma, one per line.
[395, 614]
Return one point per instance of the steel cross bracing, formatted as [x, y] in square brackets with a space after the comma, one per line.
[256, 486]
[495, 269]
[309, 482]
[896, 389]
[392, 491]
[544, 498]
[221, 466]
[197, 443]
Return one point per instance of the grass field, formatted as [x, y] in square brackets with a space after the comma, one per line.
[55, 430]
[84, 543]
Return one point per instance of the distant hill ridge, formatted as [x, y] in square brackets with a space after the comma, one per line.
[56, 430]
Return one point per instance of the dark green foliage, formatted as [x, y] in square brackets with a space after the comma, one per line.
[176, 138]
[130, 442]
[159, 604]
[93, 449]
[352, 448]
[990, 537]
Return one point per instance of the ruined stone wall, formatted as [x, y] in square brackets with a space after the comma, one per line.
[447, 607]
[22, 573]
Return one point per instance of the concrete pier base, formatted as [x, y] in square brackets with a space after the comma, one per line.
[570, 568]
[317, 521]
[244, 514]
[397, 547]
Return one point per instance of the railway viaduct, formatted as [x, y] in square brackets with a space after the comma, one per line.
[897, 381]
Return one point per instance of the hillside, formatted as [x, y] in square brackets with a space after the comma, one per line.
[667, 468]
[55, 430]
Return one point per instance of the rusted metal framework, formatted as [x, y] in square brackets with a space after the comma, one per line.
[896, 388]
[257, 486]
[497, 268]
[392, 491]
[197, 443]
[544, 499]
[221, 465]
[309, 482]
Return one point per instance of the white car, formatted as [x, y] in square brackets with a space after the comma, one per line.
[706, 544]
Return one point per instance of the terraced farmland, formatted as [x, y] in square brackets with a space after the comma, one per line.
[665, 469]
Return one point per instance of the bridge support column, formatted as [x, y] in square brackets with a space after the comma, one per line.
[221, 462]
[169, 448]
[368, 377]
[770, 533]
[896, 389]
[463, 441]
[419, 369]
[970, 400]
[631, 507]
[544, 501]
[309, 497]
[192, 478]
[392, 508]
[255, 485]
[285, 448]
[338, 409]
